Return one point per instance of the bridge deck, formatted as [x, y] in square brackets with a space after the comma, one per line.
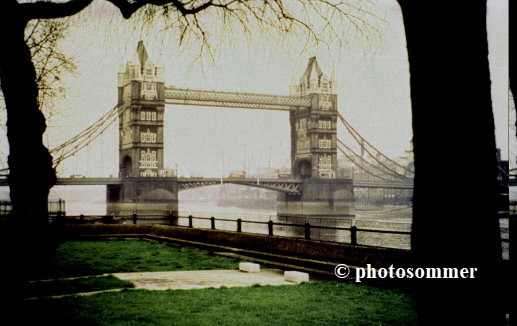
[88, 181]
[292, 186]
[283, 185]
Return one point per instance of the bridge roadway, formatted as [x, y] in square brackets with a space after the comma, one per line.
[292, 186]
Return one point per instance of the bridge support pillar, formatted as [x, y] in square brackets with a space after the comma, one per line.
[154, 197]
[323, 202]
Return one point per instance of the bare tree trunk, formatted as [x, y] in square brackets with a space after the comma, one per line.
[24, 248]
[31, 174]
[512, 53]
[455, 158]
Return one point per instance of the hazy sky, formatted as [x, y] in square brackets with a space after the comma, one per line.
[372, 77]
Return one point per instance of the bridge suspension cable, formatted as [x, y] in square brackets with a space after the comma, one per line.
[85, 137]
[362, 141]
[364, 161]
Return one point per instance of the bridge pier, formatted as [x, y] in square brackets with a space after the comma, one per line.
[319, 198]
[148, 197]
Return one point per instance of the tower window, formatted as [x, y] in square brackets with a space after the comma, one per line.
[324, 143]
[325, 124]
[148, 137]
[325, 162]
[148, 159]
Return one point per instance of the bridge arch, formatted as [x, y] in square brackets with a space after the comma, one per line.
[303, 169]
[126, 167]
[285, 186]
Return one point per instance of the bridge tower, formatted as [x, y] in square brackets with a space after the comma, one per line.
[313, 129]
[314, 152]
[140, 95]
[147, 188]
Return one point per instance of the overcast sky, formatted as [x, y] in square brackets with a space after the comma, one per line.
[371, 73]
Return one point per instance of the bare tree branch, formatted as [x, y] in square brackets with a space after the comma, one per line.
[42, 38]
[128, 8]
[49, 10]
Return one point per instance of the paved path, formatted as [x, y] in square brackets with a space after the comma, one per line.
[202, 279]
[185, 280]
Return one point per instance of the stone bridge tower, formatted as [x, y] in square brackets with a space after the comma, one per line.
[147, 187]
[314, 154]
[313, 129]
[140, 95]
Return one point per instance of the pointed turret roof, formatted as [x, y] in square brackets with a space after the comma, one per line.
[313, 70]
[142, 53]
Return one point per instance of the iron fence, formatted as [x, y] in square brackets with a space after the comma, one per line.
[384, 234]
[56, 209]
[343, 232]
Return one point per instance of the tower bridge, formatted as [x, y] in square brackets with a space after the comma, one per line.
[313, 117]
[312, 107]
[145, 186]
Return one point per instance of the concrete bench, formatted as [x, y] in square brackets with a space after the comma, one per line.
[296, 277]
[249, 267]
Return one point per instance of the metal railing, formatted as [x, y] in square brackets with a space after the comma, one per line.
[55, 208]
[307, 227]
[351, 234]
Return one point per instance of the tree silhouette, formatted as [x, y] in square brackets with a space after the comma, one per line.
[42, 38]
[512, 65]
[455, 160]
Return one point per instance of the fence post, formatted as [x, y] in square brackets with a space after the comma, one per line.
[353, 235]
[171, 218]
[239, 225]
[307, 227]
[81, 218]
[190, 221]
[134, 217]
[212, 222]
[270, 227]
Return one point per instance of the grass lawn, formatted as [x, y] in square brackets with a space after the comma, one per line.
[315, 303]
[60, 287]
[81, 258]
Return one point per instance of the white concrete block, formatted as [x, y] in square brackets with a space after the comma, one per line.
[296, 277]
[249, 267]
